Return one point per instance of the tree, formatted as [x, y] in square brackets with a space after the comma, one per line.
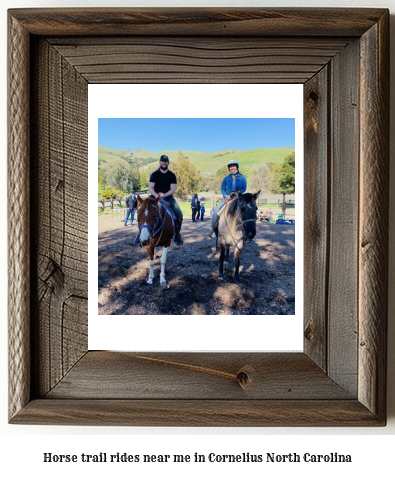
[210, 183]
[283, 178]
[214, 182]
[102, 178]
[136, 181]
[222, 172]
[123, 177]
[261, 177]
[145, 174]
[188, 177]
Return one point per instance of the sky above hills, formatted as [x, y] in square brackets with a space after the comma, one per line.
[196, 134]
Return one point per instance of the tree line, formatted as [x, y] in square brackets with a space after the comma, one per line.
[270, 177]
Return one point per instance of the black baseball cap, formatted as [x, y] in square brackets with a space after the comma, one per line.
[164, 158]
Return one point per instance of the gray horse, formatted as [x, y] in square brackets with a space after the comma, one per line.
[237, 224]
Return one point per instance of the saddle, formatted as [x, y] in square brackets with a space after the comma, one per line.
[169, 211]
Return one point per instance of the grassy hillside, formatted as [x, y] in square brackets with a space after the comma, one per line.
[248, 160]
[108, 156]
[206, 163]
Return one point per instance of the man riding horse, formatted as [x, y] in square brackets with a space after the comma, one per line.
[163, 184]
[232, 183]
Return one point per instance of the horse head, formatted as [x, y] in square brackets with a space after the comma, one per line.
[147, 217]
[247, 208]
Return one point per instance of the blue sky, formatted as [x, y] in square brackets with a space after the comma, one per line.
[196, 134]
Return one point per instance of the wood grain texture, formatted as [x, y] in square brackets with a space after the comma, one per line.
[202, 413]
[344, 216]
[198, 21]
[373, 233]
[61, 242]
[316, 214]
[284, 376]
[346, 107]
[163, 59]
[18, 224]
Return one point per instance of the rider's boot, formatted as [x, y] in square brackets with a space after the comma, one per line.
[214, 231]
[178, 238]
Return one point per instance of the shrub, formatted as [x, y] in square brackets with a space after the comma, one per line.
[111, 193]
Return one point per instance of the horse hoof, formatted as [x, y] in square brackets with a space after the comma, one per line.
[163, 284]
[236, 280]
[150, 281]
[220, 276]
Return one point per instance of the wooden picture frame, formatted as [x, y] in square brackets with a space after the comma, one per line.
[342, 58]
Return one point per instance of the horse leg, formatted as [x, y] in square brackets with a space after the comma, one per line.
[151, 262]
[236, 278]
[162, 266]
[221, 262]
[227, 254]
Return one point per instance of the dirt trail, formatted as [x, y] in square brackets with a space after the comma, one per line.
[267, 274]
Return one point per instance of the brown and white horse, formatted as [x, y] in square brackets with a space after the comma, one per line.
[237, 225]
[156, 230]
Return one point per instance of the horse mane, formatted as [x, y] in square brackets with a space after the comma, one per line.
[233, 206]
[236, 203]
[149, 201]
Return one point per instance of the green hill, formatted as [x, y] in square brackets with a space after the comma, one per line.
[108, 156]
[206, 163]
[248, 160]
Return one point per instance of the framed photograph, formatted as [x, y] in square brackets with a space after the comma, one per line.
[341, 58]
[201, 127]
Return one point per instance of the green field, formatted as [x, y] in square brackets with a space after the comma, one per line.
[187, 212]
[206, 162]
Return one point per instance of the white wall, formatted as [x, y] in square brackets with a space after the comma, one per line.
[33, 441]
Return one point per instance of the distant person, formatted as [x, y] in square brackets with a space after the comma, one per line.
[131, 204]
[198, 209]
[202, 211]
[163, 184]
[194, 206]
[231, 184]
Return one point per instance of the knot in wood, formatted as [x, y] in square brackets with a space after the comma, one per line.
[244, 376]
[313, 96]
[309, 332]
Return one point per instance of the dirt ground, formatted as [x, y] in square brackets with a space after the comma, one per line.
[267, 273]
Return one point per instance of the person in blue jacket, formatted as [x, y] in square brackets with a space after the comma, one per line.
[232, 183]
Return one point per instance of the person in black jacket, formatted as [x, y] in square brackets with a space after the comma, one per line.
[198, 209]
[194, 207]
[131, 204]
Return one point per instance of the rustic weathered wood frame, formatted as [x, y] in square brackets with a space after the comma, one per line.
[341, 56]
